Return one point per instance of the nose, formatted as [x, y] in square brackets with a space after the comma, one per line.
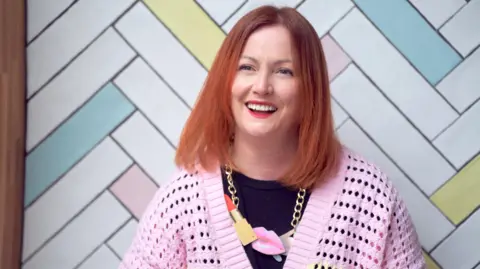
[262, 85]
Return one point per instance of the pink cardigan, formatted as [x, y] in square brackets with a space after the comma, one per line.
[354, 220]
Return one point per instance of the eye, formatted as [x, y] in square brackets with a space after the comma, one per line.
[286, 71]
[245, 67]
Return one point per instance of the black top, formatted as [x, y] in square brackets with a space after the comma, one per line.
[265, 204]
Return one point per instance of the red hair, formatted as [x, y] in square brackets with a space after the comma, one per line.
[205, 139]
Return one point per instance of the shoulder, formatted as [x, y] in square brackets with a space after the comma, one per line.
[181, 191]
[367, 183]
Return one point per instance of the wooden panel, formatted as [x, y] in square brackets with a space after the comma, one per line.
[12, 130]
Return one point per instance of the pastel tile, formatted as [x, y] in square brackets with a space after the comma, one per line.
[82, 236]
[336, 58]
[102, 258]
[460, 87]
[431, 264]
[250, 5]
[424, 214]
[393, 74]
[67, 37]
[437, 12]
[460, 249]
[138, 137]
[73, 140]
[121, 241]
[460, 196]
[388, 128]
[41, 13]
[87, 179]
[461, 141]
[421, 44]
[163, 52]
[339, 115]
[192, 26]
[324, 14]
[135, 190]
[75, 85]
[462, 30]
[220, 10]
[154, 98]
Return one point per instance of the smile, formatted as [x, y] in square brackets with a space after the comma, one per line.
[261, 107]
[260, 110]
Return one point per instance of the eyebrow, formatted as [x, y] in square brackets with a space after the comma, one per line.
[276, 62]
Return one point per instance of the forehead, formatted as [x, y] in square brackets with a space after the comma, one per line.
[272, 41]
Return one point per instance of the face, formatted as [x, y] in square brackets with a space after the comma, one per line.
[264, 92]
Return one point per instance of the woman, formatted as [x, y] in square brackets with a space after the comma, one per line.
[262, 181]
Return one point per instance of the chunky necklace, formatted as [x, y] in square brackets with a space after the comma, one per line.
[266, 242]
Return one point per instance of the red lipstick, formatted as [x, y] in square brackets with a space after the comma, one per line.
[244, 231]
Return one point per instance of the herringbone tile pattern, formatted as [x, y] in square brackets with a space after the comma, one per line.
[111, 83]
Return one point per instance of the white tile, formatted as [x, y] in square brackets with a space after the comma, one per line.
[323, 14]
[424, 214]
[462, 30]
[390, 130]
[150, 94]
[460, 250]
[121, 241]
[72, 193]
[437, 12]
[42, 13]
[339, 115]
[392, 73]
[147, 147]
[71, 33]
[85, 233]
[250, 5]
[461, 141]
[75, 85]
[103, 258]
[220, 10]
[460, 87]
[161, 50]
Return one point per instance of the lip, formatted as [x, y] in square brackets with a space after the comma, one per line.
[259, 115]
[256, 102]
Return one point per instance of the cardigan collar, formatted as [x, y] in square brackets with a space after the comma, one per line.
[308, 233]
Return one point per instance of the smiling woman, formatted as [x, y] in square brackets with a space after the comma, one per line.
[262, 180]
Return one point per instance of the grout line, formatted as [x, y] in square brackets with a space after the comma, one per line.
[77, 55]
[55, 19]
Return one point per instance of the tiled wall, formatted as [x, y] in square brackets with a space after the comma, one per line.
[111, 83]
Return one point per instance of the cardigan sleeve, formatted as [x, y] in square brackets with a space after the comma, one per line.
[157, 244]
[403, 249]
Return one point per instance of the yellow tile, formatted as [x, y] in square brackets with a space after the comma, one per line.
[189, 23]
[460, 195]
[430, 262]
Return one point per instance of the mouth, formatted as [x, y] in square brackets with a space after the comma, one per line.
[262, 108]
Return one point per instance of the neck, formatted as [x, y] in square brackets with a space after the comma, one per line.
[263, 159]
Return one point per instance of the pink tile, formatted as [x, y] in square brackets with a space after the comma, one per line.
[135, 190]
[337, 60]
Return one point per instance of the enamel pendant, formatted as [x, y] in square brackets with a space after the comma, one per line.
[287, 241]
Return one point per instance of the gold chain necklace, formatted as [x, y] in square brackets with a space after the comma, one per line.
[297, 214]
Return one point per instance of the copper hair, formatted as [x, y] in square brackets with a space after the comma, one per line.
[206, 136]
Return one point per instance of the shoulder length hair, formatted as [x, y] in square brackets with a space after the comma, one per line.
[205, 139]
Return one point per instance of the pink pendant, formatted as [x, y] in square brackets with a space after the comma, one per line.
[268, 242]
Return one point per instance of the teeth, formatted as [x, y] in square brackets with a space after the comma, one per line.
[261, 107]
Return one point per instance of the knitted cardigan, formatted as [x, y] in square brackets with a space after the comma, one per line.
[356, 219]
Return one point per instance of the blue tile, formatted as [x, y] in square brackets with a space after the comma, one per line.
[412, 36]
[74, 139]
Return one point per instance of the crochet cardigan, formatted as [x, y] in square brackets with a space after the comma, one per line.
[356, 219]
